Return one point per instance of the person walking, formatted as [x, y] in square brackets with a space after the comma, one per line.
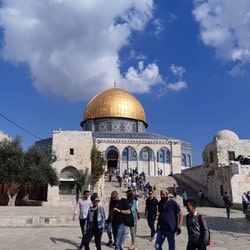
[169, 222]
[82, 208]
[184, 198]
[131, 230]
[121, 207]
[197, 228]
[174, 191]
[151, 211]
[245, 202]
[109, 223]
[228, 203]
[95, 223]
[202, 197]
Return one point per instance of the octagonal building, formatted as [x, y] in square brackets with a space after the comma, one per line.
[115, 121]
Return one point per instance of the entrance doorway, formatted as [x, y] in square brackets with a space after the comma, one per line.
[112, 160]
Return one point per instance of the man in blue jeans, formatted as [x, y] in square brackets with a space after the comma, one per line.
[121, 207]
[170, 219]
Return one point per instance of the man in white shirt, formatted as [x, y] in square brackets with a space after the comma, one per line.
[82, 208]
[244, 202]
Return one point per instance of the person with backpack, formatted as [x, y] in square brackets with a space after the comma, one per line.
[198, 232]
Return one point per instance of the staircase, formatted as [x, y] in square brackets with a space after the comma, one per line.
[161, 182]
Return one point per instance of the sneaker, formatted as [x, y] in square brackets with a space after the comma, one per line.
[109, 244]
[152, 238]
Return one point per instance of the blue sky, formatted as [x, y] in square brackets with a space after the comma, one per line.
[187, 62]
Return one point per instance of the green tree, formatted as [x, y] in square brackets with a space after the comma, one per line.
[97, 165]
[19, 167]
[38, 167]
[82, 179]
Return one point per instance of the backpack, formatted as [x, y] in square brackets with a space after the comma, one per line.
[201, 225]
[128, 219]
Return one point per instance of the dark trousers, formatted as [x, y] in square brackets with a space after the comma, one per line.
[228, 208]
[193, 246]
[82, 224]
[97, 233]
[245, 206]
[151, 224]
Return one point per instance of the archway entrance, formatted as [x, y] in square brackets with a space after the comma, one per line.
[112, 160]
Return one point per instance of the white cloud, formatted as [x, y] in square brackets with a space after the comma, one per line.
[225, 26]
[72, 47]
[140, 80]
[158, 26]
[177, 86]
[177, 70]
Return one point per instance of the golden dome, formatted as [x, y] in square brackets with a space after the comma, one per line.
[115, 103]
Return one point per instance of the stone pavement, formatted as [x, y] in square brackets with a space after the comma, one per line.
[230, 234]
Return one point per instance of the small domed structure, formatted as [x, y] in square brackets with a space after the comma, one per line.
[226, 135]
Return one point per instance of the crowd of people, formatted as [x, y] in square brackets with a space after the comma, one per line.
[164, 218]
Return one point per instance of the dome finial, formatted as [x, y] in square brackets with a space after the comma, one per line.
[115, 83]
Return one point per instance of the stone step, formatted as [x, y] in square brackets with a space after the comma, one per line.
[62, 216]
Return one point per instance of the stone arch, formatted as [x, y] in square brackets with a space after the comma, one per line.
[183, 160]
[67, 184]
[146, 161]
[186, 160]
[163, 161]
[129, 159]
[112, 156]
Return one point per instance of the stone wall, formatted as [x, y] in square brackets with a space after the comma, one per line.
[219, 180]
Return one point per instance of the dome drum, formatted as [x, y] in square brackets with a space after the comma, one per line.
[114, 125]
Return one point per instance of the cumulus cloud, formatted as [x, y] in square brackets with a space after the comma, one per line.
[176, 86]
[135, 78]
[225, 26]
[72, 47]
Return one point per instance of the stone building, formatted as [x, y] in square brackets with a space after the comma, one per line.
[226, 167]
[115, 121]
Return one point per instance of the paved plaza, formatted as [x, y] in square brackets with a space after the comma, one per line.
[226, 233]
